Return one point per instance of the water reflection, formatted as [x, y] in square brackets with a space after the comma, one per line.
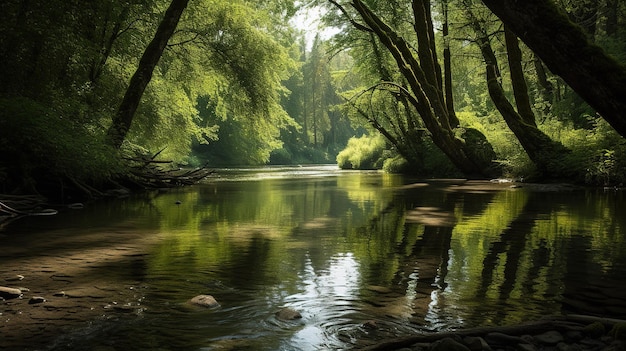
[362, 255]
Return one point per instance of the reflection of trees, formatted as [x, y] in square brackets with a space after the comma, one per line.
[509, 247]
[413, 258]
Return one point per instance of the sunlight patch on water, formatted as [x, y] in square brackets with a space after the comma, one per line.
[275, 172]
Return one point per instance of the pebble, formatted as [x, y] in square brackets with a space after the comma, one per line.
[204, 301]
[448, 344]
[9, 293]
[552, 337]
[476, 343]
[502, 339]
[16, 278]
[36, 299]
[288, 314]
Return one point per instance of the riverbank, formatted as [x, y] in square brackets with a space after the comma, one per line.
[67, 285]
[563, 333]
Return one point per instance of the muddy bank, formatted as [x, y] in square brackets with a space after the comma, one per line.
[66, 283]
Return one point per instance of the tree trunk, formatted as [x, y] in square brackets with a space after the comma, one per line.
[597, 78]
[427, 97]
[124, 116]
[520, 89]
[547, 89]
[447, 69]
[543, 151]
[612, 14]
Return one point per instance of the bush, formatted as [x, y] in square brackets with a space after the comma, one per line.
[363, 153]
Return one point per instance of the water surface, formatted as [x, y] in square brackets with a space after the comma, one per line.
[362, 255]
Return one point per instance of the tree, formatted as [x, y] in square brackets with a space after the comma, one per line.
[544, 152]
[565, 49]
[126, 112]
[471, 155]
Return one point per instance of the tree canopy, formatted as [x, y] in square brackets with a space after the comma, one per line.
[86, 87]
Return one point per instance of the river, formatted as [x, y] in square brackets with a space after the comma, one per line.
[363, 256]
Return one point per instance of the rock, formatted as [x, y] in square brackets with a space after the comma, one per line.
[207, 301]
[594, 330]
[619, 331]
[288, 314]
[552, 337]
[36, 299]
[476, 343]
[573, 335]
[15, 279]
[589, 344]
[525, 347]
[448, 344]
[569, 347]
[370, 325]
[503, 339]
[10, 293]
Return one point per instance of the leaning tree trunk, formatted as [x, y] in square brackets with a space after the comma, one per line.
[124, 116]
[597, 78]
[425, 85]
[543, 151]
[520, 88]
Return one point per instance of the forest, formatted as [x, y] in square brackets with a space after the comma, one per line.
[95, 95]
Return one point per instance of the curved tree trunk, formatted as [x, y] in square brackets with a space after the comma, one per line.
[520, 89]
[425, 85]
[563, 47]
[543, 151]
[124, 116]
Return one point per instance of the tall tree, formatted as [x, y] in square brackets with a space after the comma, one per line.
[124, 116]
[544, 152]
[423, 76]
[565, 49]
[447, 66]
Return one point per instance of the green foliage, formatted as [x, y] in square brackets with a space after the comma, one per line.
[49, 146]
[365, 152]
[396, 165]
[598, 153]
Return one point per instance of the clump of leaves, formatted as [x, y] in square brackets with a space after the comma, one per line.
[362, 153]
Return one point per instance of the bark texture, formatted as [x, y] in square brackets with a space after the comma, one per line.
[545, 153]
[564, 48]
[424, 80]
[124, 116]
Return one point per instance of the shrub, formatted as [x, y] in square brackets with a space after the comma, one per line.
[363, 153]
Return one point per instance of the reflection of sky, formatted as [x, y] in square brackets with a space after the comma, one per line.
[326, 300]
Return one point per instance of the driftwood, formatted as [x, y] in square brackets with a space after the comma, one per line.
[13, 207]
[156, 177]
[146, 172]
[559, 323]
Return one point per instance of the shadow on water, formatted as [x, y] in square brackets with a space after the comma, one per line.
[363, 256]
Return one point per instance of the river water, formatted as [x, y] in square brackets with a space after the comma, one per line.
[363, 256]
